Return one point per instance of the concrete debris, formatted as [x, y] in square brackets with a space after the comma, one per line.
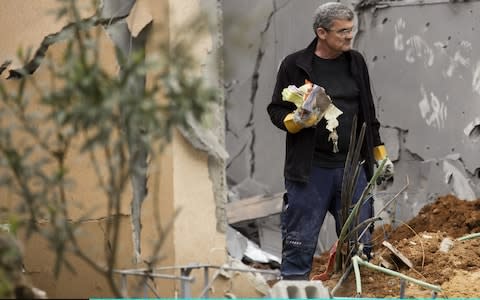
[255, 279]
[446, 245]
[239, 247]
[459, 181]
[259, 282]
[256, 254]
[293, 289]
[229, 295]
[258, 219]
[39, 294]
[236, 243]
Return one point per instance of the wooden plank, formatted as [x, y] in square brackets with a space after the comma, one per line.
[385, 263]
[254, 208]
[398, 254]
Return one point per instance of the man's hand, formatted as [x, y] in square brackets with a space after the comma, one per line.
[380, 154]
[388, 169]
[300, 119]
[310, 112]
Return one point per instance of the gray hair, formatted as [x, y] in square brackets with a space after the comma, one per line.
[327, 12]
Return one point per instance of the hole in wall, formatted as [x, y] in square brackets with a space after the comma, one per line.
[449, 38]
[375, 58]
[384, 20]
[427, 147]
[475, 132]
[427, 24]
[453, 149]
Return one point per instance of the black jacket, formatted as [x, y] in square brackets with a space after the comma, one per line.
[294, 69]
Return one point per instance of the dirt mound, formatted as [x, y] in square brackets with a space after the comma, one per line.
[455, 271]
[448, 214]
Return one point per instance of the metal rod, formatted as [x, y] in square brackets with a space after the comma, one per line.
[358, 280]
[124, 287]
[185, 290]
[402, 288]
[424, 284]
[469, 236]
[342, 279]
[165, 276]
[206, 286]
[186, 279]
[271, 272]
[204, 293]
[145, 288]
[154, 291]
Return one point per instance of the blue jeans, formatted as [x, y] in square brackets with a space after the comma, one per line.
[305, 208]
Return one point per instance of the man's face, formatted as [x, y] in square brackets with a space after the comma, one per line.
[339, 37]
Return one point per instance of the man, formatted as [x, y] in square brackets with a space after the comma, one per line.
[313, 167]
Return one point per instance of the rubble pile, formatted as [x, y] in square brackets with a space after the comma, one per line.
[430, 242]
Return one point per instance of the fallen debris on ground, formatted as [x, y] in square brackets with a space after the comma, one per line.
[420, 241]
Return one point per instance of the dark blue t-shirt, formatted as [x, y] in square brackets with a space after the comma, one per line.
[335, 77]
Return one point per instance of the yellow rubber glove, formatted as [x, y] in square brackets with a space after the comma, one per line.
[294, 121]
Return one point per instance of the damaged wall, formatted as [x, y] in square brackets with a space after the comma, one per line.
[425, 76]
[425, 79]
[255, 41]
[258, 35]
[189, 177]
[25, 25]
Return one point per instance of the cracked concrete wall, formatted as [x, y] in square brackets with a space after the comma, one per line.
[258, 35]
[425, 78]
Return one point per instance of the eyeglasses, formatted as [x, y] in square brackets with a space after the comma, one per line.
[341, 32]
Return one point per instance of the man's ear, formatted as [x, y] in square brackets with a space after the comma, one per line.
[321, 33]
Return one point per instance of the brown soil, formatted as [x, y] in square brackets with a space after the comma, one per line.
[457, 271]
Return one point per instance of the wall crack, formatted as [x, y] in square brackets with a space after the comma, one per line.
[66, 32]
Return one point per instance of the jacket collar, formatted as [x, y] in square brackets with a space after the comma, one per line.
[305, 58]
